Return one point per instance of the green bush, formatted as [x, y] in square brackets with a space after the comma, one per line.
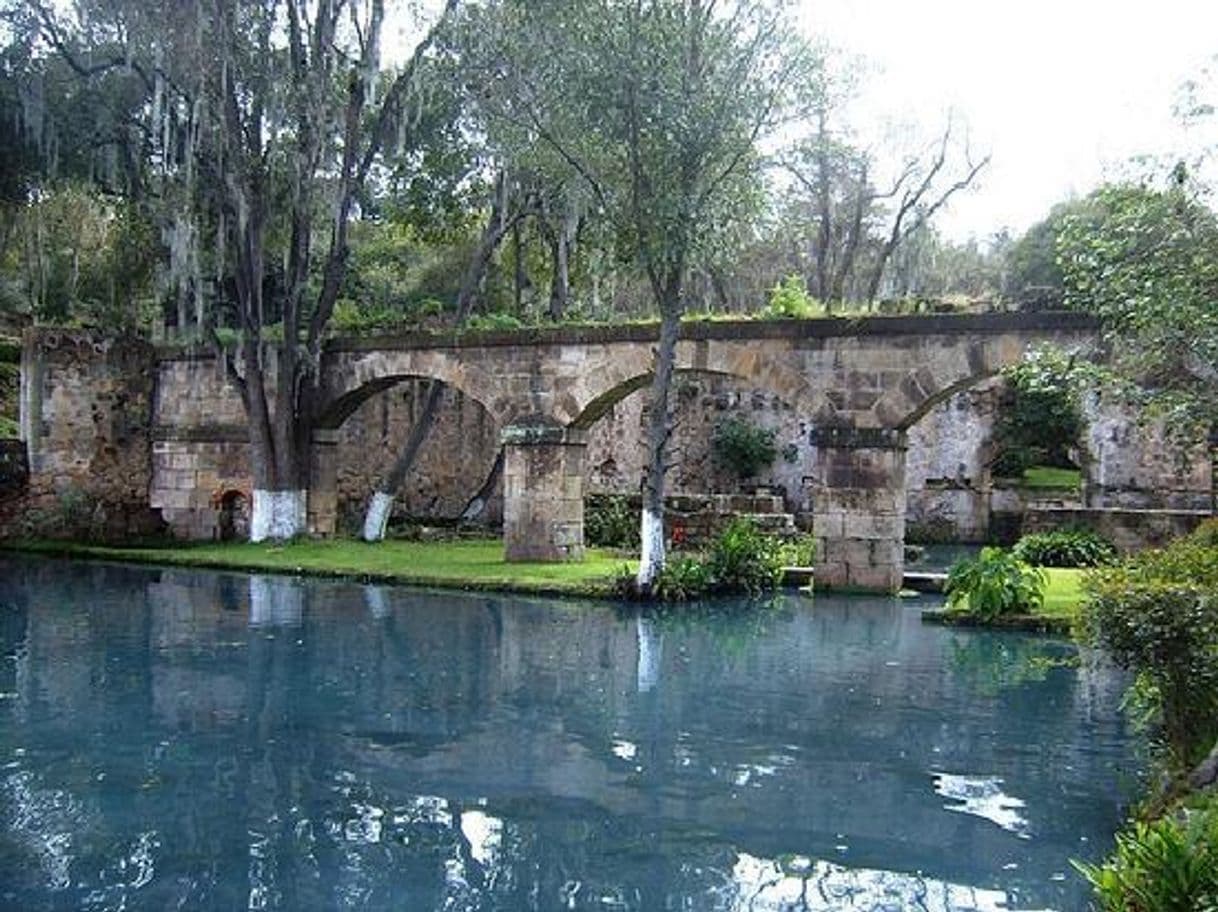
[1206, 534]
[683, 578]
[1065, 548]
[745, 559]
[1157, 615]
[743, 447]
[1167, 865]
[742, 560]
[494, 321]
[789, 299]
[1038, 420]
[995, 583]
[609, 522]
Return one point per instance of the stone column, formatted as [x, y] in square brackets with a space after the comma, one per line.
[323, 483]
[543, 493]
[858, 517]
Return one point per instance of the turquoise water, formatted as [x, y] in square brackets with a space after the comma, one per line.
[195, 740]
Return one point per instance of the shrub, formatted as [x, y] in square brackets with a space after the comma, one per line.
[609, 522]
[745, 559]
[743, 447]
[1038, 419]
[995, 583]
[789, 299]
[1206, 534]
[1157, 614]
[1065, 548]
[1167, 865]
[682, 579]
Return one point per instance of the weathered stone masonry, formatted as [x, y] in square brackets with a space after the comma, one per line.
[858, 384]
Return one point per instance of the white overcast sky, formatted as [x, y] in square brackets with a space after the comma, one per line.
[1060, 92]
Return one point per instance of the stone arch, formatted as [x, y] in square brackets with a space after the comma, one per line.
[359, 378]
[358, 452]
[738, 360]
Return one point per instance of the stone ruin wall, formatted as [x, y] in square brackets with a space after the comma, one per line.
[91, 414]
[86, 414]
[455, 459]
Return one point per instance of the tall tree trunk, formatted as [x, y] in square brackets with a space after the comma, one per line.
[651, 533]
[380, 505]
[823, 202]
[376, 520]
[476, 505]
[560, 283]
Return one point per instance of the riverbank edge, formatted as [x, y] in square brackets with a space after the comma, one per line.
[598, 588]
[1027, 623]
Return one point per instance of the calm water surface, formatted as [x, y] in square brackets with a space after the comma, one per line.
[188, 740]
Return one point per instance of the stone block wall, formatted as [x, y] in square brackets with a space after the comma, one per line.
[1129, 530]
[616, 452]
[543, 493]
[191, 480]
[86, 420]
[450, 468]
[1135, 463]
[200, 451]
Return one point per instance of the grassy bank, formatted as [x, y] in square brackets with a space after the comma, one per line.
[1063, 594]
[465, 564]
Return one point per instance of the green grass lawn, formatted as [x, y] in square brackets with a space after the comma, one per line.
[467, 564]
[1058, 613]
[1051, 477]
[1063, 593]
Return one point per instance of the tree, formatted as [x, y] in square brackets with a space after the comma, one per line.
[1033, 274]
[658, 106]
[280, 106]
[1145, 260]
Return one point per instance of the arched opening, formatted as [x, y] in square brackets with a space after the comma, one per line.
[703, 487]
[457, 456]
[233, 516]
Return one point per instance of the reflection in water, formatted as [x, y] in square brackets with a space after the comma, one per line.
[166, 746]
[806, 885]
[651, 653]
[982, 797]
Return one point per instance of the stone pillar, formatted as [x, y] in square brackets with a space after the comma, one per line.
[858, 518]
[323, 483]
[543, 493]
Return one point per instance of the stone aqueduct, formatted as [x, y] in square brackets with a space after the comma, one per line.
[862, 383]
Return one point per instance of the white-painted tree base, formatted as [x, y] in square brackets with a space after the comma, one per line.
[376, 520]
[278, 515]
[651, 552]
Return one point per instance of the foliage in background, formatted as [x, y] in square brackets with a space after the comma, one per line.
[1164, 865]
[1146, 261]
[1039, 421]
[743, 447]
[80, 257]
[1157, 614]
[1076, 547]
[995, 583]
[609, 522]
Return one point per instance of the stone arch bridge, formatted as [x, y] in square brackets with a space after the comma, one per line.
[861, 383]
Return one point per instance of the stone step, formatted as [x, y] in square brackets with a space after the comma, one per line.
[918, 581]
